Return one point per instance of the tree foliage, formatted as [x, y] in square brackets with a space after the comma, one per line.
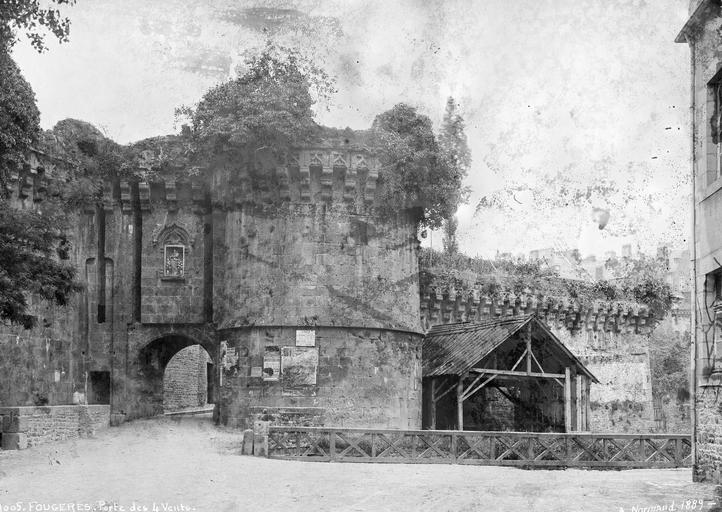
[643, 278]
[29, 263]
[268, 105]
[420, 170]
[669, 358]
[92, 160]
[32, 241]
[452, 139]
[449, 241]
[34, 19]
[444, 271]
[639, 280]
[19, 117]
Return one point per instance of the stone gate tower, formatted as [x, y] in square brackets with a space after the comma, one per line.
[305, 298]
[315, 295]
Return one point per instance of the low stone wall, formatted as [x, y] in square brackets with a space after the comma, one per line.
[288, 416]
[32, 426]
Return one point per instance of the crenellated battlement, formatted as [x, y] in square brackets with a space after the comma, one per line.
[171, 193]
[330, 172]
[314, 175]
[449, 306]
[37, 177]
[333, 171]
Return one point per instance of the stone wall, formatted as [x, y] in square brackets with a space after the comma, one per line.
[320, 264]
[676, 417]
[622, 401]
[185, 383]
[165, 297]
[365, 378]
[32, 426]
[37, 365]
[48, 363]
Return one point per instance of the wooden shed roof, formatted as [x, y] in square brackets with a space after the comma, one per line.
[453, 349]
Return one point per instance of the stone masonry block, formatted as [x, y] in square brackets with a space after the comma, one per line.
[14, 441]
[260, 445]
[15, 423]
[247, 442]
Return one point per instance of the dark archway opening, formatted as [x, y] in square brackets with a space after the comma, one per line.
[175, 373]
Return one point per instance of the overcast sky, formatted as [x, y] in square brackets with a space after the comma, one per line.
[552, 91]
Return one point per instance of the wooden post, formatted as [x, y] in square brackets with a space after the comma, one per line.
[567, 400]
[586, 404]
[433, 403]
[528, 349]
[454, 447]
[579, 403]
[460, 403]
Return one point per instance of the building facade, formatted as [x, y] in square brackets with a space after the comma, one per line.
[702, 34]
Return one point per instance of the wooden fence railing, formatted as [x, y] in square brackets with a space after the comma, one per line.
[526, 449]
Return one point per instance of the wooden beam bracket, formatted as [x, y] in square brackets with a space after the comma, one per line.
[438, 396]
[512, 373]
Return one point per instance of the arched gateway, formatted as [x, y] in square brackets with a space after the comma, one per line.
[151, 391]
[305, 298]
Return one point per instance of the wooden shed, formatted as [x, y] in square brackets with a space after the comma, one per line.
[503, 374]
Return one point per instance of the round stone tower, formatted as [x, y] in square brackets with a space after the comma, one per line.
[315, 295]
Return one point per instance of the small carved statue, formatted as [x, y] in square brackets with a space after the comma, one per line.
[174, 262]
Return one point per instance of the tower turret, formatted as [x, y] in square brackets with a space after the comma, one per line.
[315, 293]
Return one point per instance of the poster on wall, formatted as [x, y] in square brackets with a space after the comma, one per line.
[231, 358]
[229, 355]
[299, 366]
[305, 338]
[272, 363]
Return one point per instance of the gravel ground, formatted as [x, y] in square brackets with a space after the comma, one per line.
[186, 463]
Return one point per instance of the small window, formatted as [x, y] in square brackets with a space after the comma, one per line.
[174, 261]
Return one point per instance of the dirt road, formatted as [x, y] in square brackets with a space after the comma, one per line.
[186, 463]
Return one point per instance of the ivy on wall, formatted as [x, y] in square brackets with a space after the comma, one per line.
[640, 280]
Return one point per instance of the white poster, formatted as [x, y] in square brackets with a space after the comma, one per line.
[305, 338]
[300, 365]
[272, 363]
